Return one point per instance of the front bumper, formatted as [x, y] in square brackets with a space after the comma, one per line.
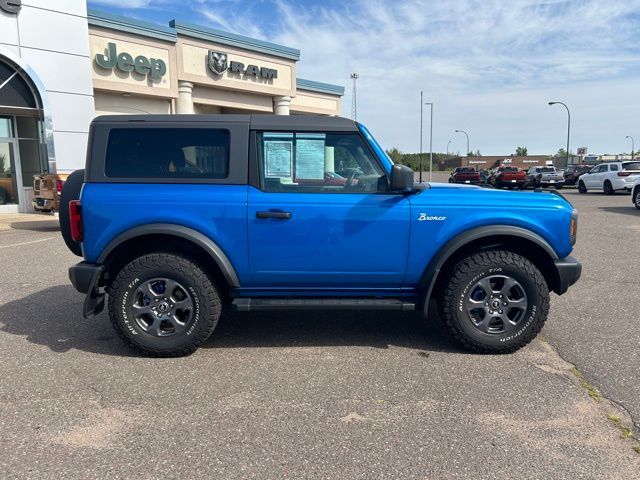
[568, 272]
[85, 278]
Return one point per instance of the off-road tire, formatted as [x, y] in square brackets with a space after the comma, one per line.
[206, 304]
[582, 187]
[466, 273]
[608, 188]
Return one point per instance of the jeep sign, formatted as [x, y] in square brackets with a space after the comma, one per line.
[218, 64]
[154, 68]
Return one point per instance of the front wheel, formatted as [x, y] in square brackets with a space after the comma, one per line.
[581, 187]
[163, 305]
[495, 301]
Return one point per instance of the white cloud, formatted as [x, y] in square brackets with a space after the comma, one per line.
[490, 66]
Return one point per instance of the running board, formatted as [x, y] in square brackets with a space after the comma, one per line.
[252, 304]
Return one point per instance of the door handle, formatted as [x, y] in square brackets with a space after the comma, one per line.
[278, 215]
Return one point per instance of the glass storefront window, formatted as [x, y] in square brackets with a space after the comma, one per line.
[6, 129]
[8, 190]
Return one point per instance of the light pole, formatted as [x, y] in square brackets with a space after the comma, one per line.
[568, 125]
[632, 146]
[430, 137]
[354, 112]
[467, 135]
[430, 142]
[448, 143]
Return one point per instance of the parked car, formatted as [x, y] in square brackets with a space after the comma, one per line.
[573, 172]
[544, 177]
[510, 177]
[484, 175]
[180, 216]
[610, 177]
[47, 188]
[465, 175]
[635, 193]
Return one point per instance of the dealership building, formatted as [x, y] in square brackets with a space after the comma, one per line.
[61, 65]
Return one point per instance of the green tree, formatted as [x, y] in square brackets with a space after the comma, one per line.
[395, 155]
[521, 151]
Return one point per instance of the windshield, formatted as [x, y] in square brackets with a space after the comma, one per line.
[546, 170]
[508, 169]
[631, 166]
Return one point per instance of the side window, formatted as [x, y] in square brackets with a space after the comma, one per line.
[614, 168]
[167, 153]
[318, 163]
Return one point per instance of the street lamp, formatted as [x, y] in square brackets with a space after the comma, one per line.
[568, 125]
[448, 143]
[467, 135]
[430, 138]
[632, 146]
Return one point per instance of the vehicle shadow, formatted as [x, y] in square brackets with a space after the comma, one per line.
[52, 318]
[37, 226]
[630, 210]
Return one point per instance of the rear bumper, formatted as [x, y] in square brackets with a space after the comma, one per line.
[569, 271]
[85, 278]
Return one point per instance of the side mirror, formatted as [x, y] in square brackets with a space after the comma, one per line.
[401, 179]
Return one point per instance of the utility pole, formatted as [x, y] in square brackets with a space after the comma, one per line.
[420, 157]
[466, 135]
[568, 125]
[633, 147]
[354, 107]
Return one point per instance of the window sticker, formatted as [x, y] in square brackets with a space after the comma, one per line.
[278, 155]
[310, 156]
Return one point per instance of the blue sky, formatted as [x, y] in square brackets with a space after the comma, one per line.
[489, 66]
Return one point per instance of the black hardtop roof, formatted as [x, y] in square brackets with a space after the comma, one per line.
[255, 122]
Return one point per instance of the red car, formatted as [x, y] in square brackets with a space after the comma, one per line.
[509, 177]
[465, 175]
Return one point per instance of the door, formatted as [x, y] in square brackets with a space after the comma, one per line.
[9, 192]
[322, 217]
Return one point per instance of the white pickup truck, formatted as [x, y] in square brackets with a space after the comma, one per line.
[610, 177]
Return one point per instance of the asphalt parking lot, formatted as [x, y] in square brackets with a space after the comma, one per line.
[323, 395]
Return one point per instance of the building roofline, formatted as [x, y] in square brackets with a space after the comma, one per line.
[98, 18]
[313, 86]
[234, 40]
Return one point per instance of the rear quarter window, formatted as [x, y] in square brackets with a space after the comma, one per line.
[168, 153]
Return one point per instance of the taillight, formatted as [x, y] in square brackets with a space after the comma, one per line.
[624, 174]
[75, 220]
[59, 185]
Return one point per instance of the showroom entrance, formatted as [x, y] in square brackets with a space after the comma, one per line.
[22, 147]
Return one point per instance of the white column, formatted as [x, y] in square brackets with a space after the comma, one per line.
[185, 97]
[281, 105]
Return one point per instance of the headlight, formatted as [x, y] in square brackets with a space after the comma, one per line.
[573, 228]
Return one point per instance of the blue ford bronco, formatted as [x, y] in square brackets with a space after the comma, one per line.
[178, 217]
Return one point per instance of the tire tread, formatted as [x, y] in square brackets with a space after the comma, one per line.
[185, 266]
[459, 274]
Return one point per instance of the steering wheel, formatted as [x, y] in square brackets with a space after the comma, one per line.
[352, 175]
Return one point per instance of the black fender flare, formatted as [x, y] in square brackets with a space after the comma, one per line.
[180, 231]
[430, 274]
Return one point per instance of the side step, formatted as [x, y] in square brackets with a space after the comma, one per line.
[252, 304]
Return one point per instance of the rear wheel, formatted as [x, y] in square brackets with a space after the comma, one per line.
[495, 301]
[163, 305]
[636, 197]
[581, 187]
[608, 188]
